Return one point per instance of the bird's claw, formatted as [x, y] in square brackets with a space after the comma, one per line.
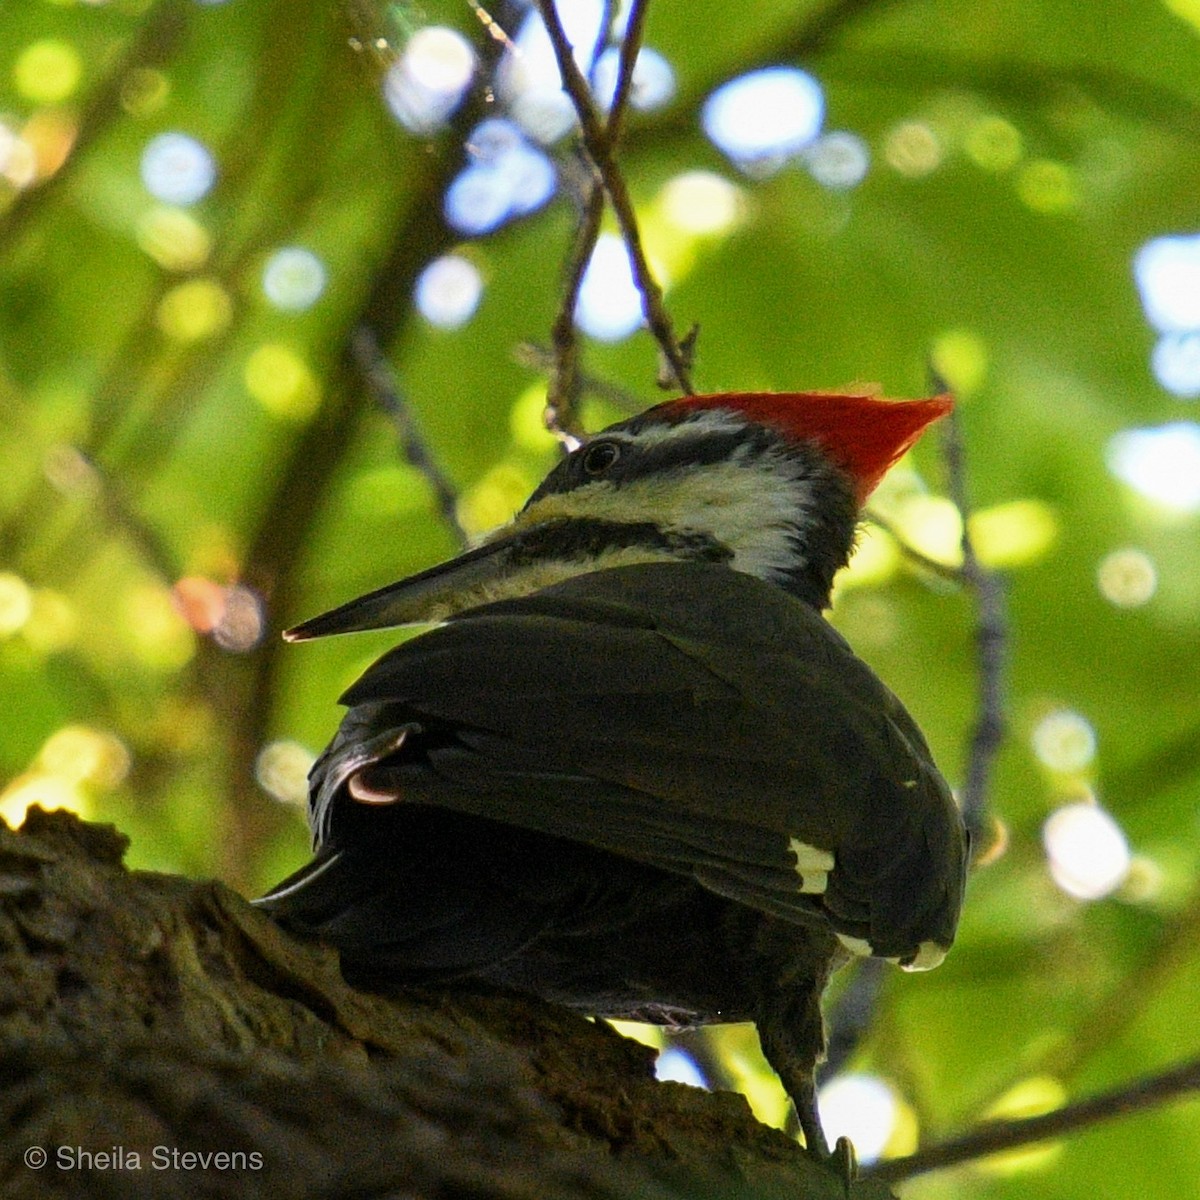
[844, 1162]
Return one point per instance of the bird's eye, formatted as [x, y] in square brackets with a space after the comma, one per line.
[599, 456]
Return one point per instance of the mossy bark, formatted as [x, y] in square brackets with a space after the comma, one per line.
[161, 1037]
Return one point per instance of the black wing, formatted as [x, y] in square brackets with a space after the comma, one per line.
[682, 715]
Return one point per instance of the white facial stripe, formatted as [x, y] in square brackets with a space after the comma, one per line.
[522, 581]
[750, 509]
[656, 433]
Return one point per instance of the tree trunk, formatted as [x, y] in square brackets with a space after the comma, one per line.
[159, 1037]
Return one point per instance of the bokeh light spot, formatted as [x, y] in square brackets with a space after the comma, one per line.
[960, 357]
[1161, 463]
[506, 177]
[53, 625]
[1064, 741]
[702, 203]
[195, 310]
[838, 160]
[47, 71]
[293, 279]
[1029, 1098]
[862, 1108]
[1087, 851]
[761, 119]
[913, 149]
[651, 86]
[243, 620]
[448, 291]
[994, 144]
[1048, 187]
[46, 791]
[18, 161]
[495, 498]
[234, 615]
[174, 239]
[528, 80]
[1175, 361]
[527, 421]
[144, 91]
[932, 525]
[678, 1066]
[1127, 578]
[281, 769]
[876, 558]
[79, 754]
[427, 82]
[1167, 273]
[200, 602]
[43, 147]
[1014, 534]
[281, 381]
[16, 603]
[610, 305]
[177, 169]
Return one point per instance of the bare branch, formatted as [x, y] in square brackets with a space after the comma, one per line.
[991, 639]
[377, 373]
[599, 139]
[631, 44]
[604, 36]
[562, 394]
[75, 473]
[933, 565]
[540, 358]
[995, 1136]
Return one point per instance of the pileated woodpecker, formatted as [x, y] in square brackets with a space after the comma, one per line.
[634, 770]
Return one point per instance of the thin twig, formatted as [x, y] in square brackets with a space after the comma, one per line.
[995, 1136]
[377, 373]
[541, 358]
[604, 34]
[991, 639]
[599, 139]
[631, 45]
[932, 565]
[74, 472]
[562, 394]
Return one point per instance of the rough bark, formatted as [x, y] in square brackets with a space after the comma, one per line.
[146, 1018]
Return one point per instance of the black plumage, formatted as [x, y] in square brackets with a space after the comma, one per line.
[635, 771]
[588, 808]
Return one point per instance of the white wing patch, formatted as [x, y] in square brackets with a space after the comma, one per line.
[930, 955]
[859, 947]
[812, 865]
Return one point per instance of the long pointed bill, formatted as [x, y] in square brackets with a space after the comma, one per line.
[429, 596]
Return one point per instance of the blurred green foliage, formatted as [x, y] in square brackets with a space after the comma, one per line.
[169, 432]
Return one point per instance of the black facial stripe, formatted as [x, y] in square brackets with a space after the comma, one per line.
[706, 448]
[585, 537]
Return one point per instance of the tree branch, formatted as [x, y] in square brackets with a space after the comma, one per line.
[995, 1136]
[565, 387]
[991, 639]
[381, 382]
[146, 1011]
[599, 140]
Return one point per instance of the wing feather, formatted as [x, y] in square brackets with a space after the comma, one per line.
[683, 715]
